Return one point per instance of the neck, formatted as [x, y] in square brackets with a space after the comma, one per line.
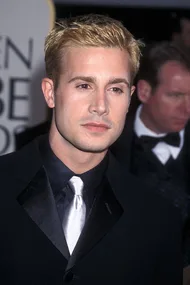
[76, 160]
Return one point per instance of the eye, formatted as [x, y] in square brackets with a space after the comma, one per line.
[83, 86]
[176, 95]
[117, 90]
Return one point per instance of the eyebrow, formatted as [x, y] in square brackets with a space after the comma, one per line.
[119, 80]
[84, 78]
[91, 79]
[176, 93]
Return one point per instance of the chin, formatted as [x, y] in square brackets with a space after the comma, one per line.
[173, 130]
[92, 148]
[178, 128]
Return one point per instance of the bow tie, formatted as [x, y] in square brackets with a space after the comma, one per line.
[172, 139]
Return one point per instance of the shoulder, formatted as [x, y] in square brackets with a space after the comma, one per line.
[15, 163]
[23, 138]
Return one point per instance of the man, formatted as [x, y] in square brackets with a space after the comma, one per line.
[155, 142]
[69, 215]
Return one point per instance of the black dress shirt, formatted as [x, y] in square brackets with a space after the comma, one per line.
[59, 175]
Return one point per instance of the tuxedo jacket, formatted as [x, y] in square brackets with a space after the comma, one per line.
[122, 149]
[131, 236]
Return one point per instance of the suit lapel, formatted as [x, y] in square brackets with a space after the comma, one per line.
[151, 157]
[104, 214]
[37, 199]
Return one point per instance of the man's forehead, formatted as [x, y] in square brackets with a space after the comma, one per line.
[95, 62]
[172, 68]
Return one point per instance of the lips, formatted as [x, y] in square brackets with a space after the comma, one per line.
[98, 127]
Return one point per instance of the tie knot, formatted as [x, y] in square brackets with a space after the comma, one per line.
[77, 185]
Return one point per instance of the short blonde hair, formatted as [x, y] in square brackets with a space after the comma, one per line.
[89, 31]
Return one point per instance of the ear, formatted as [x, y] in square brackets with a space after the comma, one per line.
[48, 91]
[143, 90]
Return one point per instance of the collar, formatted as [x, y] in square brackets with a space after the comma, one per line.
[162, 149]
[59, 174]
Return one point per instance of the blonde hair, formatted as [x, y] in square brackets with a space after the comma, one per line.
[89, 31]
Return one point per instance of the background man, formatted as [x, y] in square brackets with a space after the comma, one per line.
[155, 142]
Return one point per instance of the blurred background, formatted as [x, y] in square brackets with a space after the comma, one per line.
[154, 20]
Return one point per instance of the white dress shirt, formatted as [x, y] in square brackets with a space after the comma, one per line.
[162, 150]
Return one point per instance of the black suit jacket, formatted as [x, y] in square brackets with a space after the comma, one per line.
[132, 236]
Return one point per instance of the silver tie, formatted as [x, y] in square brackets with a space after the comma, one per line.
[76, 214]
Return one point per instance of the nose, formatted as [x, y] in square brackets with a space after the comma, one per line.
[99, 104]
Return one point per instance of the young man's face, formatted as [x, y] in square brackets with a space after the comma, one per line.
[92, 98]
[168, 106]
